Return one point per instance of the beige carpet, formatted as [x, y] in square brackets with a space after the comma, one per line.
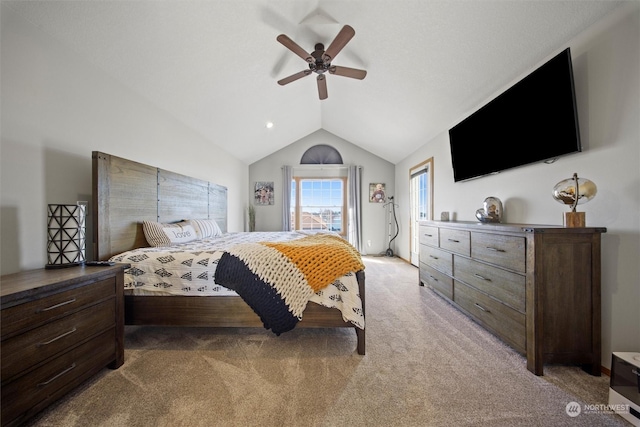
[426, 365]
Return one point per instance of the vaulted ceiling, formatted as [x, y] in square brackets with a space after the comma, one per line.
[214, 64]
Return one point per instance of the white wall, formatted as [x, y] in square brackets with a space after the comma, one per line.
[56, 110]
[606, 61]
[374, 170]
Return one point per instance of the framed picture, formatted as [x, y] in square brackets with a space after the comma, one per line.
[263, 193]
[376, 193]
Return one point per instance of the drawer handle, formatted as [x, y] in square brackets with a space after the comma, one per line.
[495, 249]
[454, 240]
[432, 256]
[57, 305]
[481, 277]
[428, 235]
[73, 365]
[40, 344]
[433, 278]
[481, 307]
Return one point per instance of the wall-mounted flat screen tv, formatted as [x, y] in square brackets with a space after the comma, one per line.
[533, 121]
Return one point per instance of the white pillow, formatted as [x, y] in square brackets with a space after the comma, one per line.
[160, 234]
[206, 228]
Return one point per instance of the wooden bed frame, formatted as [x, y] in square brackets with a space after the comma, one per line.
[125, 193]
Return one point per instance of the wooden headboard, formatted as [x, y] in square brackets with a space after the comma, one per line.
[125, 193]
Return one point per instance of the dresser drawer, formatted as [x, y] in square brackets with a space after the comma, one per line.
[35, 313]
[37, 345]
[505, 322]
[428, 235]
[436, 280]
[437, 258]
[50, 381]
[505, 251]
[457, 241]
[503, 285]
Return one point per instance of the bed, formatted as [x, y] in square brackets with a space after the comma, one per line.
[128, 194]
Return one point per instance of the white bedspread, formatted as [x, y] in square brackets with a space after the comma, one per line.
[189, 269]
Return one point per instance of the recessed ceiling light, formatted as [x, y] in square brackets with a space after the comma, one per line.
[269, 125]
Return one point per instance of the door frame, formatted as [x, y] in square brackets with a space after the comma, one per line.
[413, 228]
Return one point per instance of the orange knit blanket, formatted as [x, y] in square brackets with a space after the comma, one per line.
[322, 258]
[277, 279]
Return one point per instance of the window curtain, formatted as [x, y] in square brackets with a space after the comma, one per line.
[354, 197]
[287, 176]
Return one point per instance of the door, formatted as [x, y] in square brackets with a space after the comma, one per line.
[421, 201]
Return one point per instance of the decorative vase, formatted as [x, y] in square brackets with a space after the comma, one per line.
[252, 218]
[492, 210]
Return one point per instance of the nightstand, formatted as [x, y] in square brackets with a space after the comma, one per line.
[58, 328]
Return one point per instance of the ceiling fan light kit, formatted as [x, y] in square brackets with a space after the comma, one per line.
[319, 60]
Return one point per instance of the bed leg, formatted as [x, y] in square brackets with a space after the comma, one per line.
[360, 332]
[361, 341]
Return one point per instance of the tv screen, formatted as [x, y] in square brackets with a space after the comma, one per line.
[535, 120]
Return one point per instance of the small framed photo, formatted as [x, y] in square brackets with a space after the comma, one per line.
[377, 193]
[263, 193]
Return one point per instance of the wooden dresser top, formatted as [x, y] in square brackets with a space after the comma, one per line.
[23, 285]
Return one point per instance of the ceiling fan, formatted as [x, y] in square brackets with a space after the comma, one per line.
[320, 60]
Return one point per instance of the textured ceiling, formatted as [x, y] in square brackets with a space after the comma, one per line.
[214, 64]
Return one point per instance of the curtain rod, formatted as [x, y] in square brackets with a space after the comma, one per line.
[322, 166]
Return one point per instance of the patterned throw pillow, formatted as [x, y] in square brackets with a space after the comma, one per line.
[160, 234]
[206, 228]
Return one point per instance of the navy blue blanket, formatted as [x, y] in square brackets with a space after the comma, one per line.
[263, 298]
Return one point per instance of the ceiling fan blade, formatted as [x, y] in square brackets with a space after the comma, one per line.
[294, 77]
[295, 48]
[322, 86]
[354, 73]
[343, 37]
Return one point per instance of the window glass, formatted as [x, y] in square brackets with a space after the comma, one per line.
[319, 205]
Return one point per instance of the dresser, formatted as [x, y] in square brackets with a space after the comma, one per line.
[58, 328]
[536, 287]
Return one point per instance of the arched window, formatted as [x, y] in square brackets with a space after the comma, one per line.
[321, 154]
